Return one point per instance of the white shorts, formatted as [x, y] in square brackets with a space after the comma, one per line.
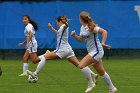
[32, 48]
[64, 53]
[97, 55]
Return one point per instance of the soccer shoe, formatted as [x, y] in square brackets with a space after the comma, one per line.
[33, 75]
[23, 74]
[114, 90]
[94, 78]
[48, 51]
[90, 87]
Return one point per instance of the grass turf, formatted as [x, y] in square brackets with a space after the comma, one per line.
[60, 76]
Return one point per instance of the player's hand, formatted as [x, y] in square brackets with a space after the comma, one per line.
[73, 33]
[20, 44]
[49, 25]
[106, 46]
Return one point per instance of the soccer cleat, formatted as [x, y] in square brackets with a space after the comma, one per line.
[23, 74]
[94, 78]
[48, 51]
[114, 90]
[33, 75]
[90, 87]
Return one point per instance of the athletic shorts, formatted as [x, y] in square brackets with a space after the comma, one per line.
[64, 53]
[97, 55]
[32, 48]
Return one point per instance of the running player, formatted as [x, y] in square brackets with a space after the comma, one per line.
[89, 32]
[31, 43]
[63, 50]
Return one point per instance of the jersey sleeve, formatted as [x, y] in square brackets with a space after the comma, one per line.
[29, 28]
[84, 31]
[96, 29]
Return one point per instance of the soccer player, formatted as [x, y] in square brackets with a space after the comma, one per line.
[31, 43]
[89, 33]
[63, 50]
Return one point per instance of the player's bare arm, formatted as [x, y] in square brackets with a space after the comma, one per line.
[29, 39]
[104, 36]
[52, 28]
[79, 38]
[20, 44]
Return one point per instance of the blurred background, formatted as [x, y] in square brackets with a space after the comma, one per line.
[121, 18]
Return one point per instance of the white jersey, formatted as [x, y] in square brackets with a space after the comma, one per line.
[29, 27]
[62, 38]
[92, 42]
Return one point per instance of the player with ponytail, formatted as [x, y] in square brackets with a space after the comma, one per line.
[89, 33]
[30, 42]
[63, 50]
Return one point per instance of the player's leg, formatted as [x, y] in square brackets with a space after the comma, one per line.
[87, 60]
[25, 63]
[75, 61]
[33, 55]
[43, 58]
[86, 70]
[33, 50]
[100, 69]
[34, 58]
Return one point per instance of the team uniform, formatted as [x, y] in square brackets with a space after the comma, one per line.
[63, 49]
[93, 44]
[32, 45]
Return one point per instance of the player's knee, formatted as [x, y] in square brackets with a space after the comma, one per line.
[80, 66]
[34, 61]
[101, 73]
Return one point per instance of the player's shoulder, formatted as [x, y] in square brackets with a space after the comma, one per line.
[84, 28]
[62, 26]
[96, 28]
[29, 25]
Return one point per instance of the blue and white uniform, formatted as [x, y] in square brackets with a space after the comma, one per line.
[93, 44]
[32, 45]
[63, 48]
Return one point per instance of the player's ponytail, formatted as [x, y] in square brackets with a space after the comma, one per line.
[32, 22]
[65, 20]
[91, 24]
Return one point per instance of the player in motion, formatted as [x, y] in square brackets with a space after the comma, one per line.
[31, 43]
[89, 33]
[64, 50]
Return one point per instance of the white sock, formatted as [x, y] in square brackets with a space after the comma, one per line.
[25, 68]
[40, 64]
[87, 74]
[108, 81]
[90, 71]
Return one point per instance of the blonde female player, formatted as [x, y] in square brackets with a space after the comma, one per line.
[89, 32]
[63, 50]
[31, 43]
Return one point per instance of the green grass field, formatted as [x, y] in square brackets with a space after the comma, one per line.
[60, 76]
